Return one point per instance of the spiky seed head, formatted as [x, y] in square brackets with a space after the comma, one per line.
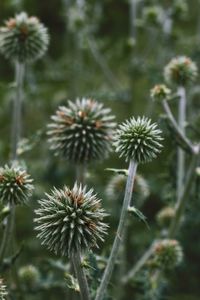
[29, 276]
[15, 185]
[160, 92]
[82, 131]
[165, 216]
[138, 140]
[168, 254]
[180, 71]
[116, 187]
[3, 290]
[23, 38]
[70, 219]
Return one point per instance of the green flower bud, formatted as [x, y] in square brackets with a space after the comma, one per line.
[160, 92]
[82, 132]
[29, 276]
[23, 38]
[15, 185]
[180, 71]
[69, 220]
[165, 216]
[138, 140]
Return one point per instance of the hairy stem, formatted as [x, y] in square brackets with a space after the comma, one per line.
[120, 231]
[181, 154]
[80, 274]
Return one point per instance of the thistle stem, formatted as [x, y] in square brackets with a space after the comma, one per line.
[184, 195]
[80, 274]
[133, 12]
[120, 231]
[80, 173]
[181, 154]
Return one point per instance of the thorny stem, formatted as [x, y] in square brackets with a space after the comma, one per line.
[15, 136]
[181, 154]
[120, 231]
[80, 274]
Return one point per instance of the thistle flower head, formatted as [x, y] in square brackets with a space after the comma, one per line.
[165, 216]
[3, 290]
[168, 254]
[15, 185]
[23, 38]
[180, 71]
[70, 220]
[160, 92]
[138, 140]
[82, 131]
[29, 276]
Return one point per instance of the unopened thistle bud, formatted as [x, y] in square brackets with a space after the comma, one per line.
[82, 131]
[15, 185]
[160, 92]
[70, 220]
[180, 71]
[165, 216]
[168, 254]
[138, 140]
[3, 290]
[23, 38]
[29, 276]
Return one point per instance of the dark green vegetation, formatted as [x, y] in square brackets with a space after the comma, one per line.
[99, 51]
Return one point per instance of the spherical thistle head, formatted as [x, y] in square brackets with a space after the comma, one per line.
[160, 92]
[29, 276]
[15, 185]
[23, 38]
[168, 254]
[180, 71]
[3, 290]
[138, 140]
[82, 131]
[165, 216]
[70, 220]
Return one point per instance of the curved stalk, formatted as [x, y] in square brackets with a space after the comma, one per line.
[80, 274]
[120, 231]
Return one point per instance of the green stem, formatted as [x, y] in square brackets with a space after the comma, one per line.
[181, 154]
[120, 232]
[133, 15]
[80, 173]
[80, 274]
[184, 196]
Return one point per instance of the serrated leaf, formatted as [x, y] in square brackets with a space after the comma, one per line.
[72, 282]
[136, 212]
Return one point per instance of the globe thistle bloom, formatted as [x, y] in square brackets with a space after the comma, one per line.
[165, 216]
[160, 92]
[82, 131]
[29, 276]
[138, 140]
[168, 254]
[15, 185]
[23, 38]
[180, 71]
[70, 220]
[3, 290]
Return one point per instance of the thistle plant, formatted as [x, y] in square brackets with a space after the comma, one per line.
[3, 290]
[29, 276]
[167, 254]
[69, 222]
[23, 38]
[82, 131]
[165, 215]
[138, 141]
[160, 92]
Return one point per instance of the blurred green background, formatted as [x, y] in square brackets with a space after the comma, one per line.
[100, 49]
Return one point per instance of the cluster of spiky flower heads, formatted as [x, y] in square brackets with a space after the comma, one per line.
[82, 132]
[15, 185]
[180, 71]
[165, 216]
[3, 290]
[23, 38]
[70, 220]
[138, 140]
[168, 254]
[160, 92]
[29, 276]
